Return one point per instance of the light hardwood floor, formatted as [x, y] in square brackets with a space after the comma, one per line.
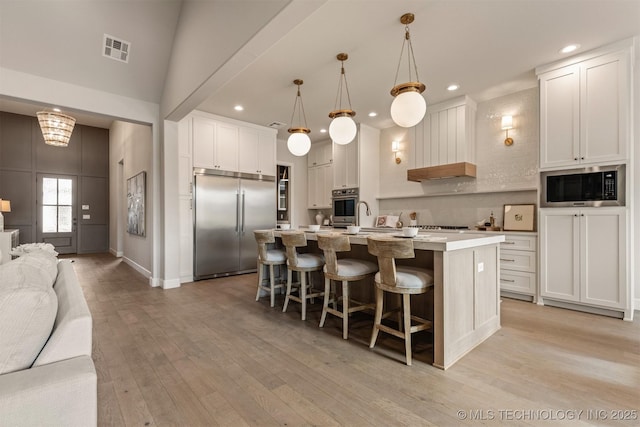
[209, 354]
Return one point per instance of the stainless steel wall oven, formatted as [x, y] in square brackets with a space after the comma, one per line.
[344, 202]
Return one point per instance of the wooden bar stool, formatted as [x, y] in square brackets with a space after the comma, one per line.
[404, 281]
[268, 258]
[304, 264]
[344, 270]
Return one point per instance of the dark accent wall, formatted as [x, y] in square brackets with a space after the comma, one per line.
[23, 155]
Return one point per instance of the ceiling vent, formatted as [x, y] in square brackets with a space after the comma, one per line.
[115, 48]
[277, 125]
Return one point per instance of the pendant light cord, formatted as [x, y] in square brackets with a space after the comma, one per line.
[300, 109]
[343, 77]
[410, 56]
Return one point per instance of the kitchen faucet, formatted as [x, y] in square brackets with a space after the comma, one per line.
[368, 211]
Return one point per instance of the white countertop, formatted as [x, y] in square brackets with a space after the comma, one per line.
[425, 240]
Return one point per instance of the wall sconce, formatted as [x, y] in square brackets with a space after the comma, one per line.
[507, 123]
[395, 147]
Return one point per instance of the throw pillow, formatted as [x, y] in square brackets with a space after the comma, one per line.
[28, 307]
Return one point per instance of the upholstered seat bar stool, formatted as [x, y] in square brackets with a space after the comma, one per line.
[304, 264]
[268, 258]
[344, 270]
[400, 280]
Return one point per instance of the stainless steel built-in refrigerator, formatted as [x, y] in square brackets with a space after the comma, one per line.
[227, 208]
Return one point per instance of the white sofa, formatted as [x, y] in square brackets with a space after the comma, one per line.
[47, 376]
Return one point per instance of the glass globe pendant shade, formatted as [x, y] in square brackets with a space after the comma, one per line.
[299, 144]
[408, 109]
[342, 130]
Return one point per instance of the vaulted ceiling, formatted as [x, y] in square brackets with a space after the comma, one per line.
[488, 47]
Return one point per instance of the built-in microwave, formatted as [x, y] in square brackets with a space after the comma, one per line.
[589, 186]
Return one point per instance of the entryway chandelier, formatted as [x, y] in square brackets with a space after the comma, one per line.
[409, 106]
[342, 129]
[299, 142]
[56, 127]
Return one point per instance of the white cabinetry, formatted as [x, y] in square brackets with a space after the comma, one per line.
[518, 264]
[448, 133]
[584, 110]
[233, 147]
[583, 256]
[320, 154]
[8, 239]
[257, 153]
[345, 165]
[320, 180]
[215, 144]
[320, 175]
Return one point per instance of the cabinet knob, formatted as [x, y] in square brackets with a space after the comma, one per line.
[575, 214]
[575, 158]
[581, 158]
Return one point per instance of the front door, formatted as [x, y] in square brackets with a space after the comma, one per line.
[57, 220]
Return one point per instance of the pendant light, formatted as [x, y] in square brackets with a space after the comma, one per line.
[408, 107]
[56, 127]
[299, 142]
[342, 129]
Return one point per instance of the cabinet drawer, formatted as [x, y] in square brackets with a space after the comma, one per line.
[519, 242]
[518, 260]
[517, 281]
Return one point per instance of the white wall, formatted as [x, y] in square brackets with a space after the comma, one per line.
[635, 153]
[132, 144]
[501, 169]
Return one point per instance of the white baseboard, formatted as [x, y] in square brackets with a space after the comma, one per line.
[117, 254]
[186, 279]
[137, 267]
[170, 284]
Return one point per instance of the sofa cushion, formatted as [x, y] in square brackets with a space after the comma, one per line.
[72, 331]
[28, 306]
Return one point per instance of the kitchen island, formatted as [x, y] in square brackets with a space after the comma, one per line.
[466, 296]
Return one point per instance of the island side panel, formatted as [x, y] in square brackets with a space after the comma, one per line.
[466, 301]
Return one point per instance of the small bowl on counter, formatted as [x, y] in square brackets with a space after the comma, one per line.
[314, 227]
[410, 231]
[353, 229]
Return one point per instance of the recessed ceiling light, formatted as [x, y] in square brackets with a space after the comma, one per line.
[569, 48]
[373, 114]
[238, 108]
[57, 110]
[323, 130]
[453, 87]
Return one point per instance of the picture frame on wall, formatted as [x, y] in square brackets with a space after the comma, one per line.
[519, 217]
[136, 198]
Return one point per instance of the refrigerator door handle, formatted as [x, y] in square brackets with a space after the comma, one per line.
[242, 229]
[237, 212]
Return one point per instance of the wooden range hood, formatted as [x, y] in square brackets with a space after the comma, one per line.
[451, 170]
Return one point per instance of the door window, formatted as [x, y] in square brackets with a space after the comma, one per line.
[57, 199]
